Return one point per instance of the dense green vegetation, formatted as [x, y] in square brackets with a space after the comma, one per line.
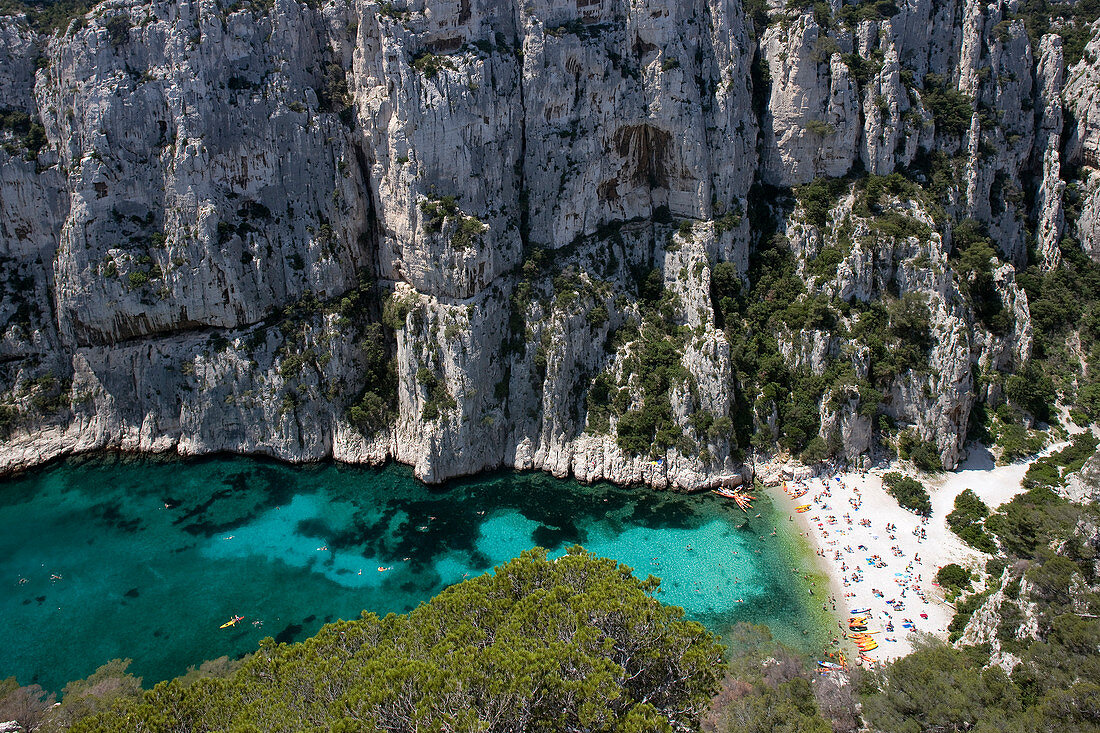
[572, 644]
[377, 406]
[966, 520]
[655, 364]
[1065, 308]
[1050, 471]
[973, 258]
[951, 108]
[909, 492]
[47, 15]
[953, 577]
[27, 131]
[438, 210]
[1071, 20]
[776, 305]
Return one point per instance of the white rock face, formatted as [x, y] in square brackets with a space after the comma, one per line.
[229, 201]
[1048, 142]
[1082, 97]
[812, 124]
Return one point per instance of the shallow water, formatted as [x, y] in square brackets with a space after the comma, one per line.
[104, 556]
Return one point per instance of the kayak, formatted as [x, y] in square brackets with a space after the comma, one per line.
[860, 611]
[802, 508]
[829, 665]
[232, 622]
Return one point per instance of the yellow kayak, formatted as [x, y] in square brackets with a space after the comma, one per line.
[232, 622]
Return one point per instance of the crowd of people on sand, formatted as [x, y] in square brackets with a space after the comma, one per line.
[884, 589]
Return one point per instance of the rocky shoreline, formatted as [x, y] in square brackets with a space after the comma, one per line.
[31, 451]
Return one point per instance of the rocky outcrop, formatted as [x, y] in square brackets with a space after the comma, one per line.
[1083, 487]
[471, 233]
[1001, 619]
[811, 126]
[1082, 147]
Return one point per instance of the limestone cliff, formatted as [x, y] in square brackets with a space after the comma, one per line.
[472, 233]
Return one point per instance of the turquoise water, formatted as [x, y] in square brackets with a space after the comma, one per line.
[106, 556]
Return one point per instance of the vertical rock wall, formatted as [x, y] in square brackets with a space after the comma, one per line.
[229, 199]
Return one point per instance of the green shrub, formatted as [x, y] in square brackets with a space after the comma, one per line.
[28, 130]
[818, 197]
[1032, 389]
[1015, 441]
[396, 310]
[468, 229]
[118, 29]
[725, 287]
[826, 262]
[438, 400]
[816, 451]
[822, 129]
[900, 226]
[908, 492]
[966, 519]
[1050, 471]
[951, 109]
[293, 364]
[651, 428]
[924, 454]
[47, 17]
[437, 210]
[852, 14]
[973, 258]
[430, 65]
[597, 316]
[9, 419]
[953, 577]
[862, 69]
[377, 405]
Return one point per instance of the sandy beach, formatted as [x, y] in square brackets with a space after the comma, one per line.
[882, 557]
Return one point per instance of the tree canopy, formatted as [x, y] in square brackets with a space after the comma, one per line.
[576, 643]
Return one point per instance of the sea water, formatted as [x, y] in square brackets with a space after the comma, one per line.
[109, 556]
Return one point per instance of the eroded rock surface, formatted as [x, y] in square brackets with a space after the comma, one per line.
[492, 227]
